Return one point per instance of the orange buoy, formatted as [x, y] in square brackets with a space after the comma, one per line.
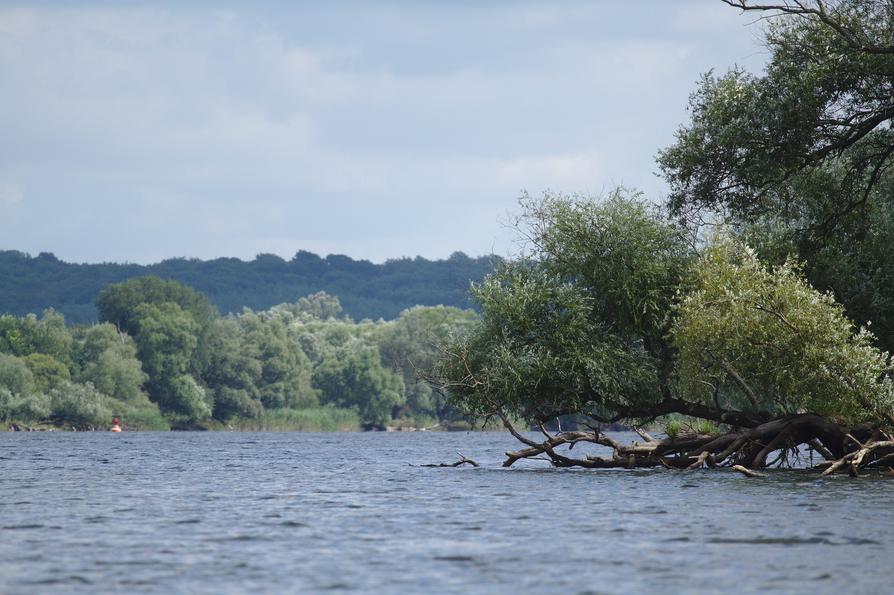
[115, 426]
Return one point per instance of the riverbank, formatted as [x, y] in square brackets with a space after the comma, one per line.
[318, 419]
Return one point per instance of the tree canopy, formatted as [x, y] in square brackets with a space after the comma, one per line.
[614, 316]
[811, 137]
[798, 159]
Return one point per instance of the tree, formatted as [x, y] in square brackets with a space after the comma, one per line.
[766, 341]
[15, 376]
[80, 404]
[799, 159]
[30, 334]
[409, 345]
[616, 320]
[118, 305]
[816, 126]
[319, 305]
[167, 337]
[46, 370]
[108, 359]
[118, 302]
[355, 379]
[579, 327]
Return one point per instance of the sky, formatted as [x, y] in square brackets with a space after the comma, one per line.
[136, 131]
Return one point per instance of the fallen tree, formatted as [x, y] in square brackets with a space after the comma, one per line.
[743, 449]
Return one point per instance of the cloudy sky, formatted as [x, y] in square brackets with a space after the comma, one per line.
[137, 131]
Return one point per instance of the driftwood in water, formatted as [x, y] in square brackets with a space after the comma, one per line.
[463, 460]
[744, 449]
[747, 472]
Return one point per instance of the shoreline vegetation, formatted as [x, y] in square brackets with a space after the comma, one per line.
[163, 358]
[320, 419]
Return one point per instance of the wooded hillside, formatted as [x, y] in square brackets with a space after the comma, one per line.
[366, 290]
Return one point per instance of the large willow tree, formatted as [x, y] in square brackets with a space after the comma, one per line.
[613, 316]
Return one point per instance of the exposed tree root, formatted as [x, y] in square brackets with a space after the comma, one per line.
[744, 449]
[869, 454]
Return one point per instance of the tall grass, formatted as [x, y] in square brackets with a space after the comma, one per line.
[316, 419]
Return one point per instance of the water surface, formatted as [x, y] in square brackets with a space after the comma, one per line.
[292, 512]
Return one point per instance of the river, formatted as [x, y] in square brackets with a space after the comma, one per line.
[294, 512]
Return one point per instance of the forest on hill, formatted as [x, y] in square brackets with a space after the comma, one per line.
[366, 290]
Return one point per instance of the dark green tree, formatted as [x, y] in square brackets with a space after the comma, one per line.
[816, 126]
[356, 379]
[166, 338]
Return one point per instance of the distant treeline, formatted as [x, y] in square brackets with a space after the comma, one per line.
[163, 357]
[366, 290]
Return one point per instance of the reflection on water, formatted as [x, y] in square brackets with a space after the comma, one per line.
[232, 513]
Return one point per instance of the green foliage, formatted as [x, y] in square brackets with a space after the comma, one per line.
[315, 419]
[673, 428]
[80, 404]
[579, 327]
[15, 376]
[108, 359]
[355, 379]
[232, 403]
[119, 303]
[411, 343]
[24, 336]
[705, 426]
[46, 370]
[320, 305]
[185, 398]
[166, 337]
[258, 363]
[816, 124]
[184, 359]
[855, 264]
[92, 374]
[791, 346]
[620, 250]
[800, 157]
[18, 407]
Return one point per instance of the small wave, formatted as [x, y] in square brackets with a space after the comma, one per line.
[240, 538]
[455, 559]
[792, 541]
[24, 526]
[68, 580]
